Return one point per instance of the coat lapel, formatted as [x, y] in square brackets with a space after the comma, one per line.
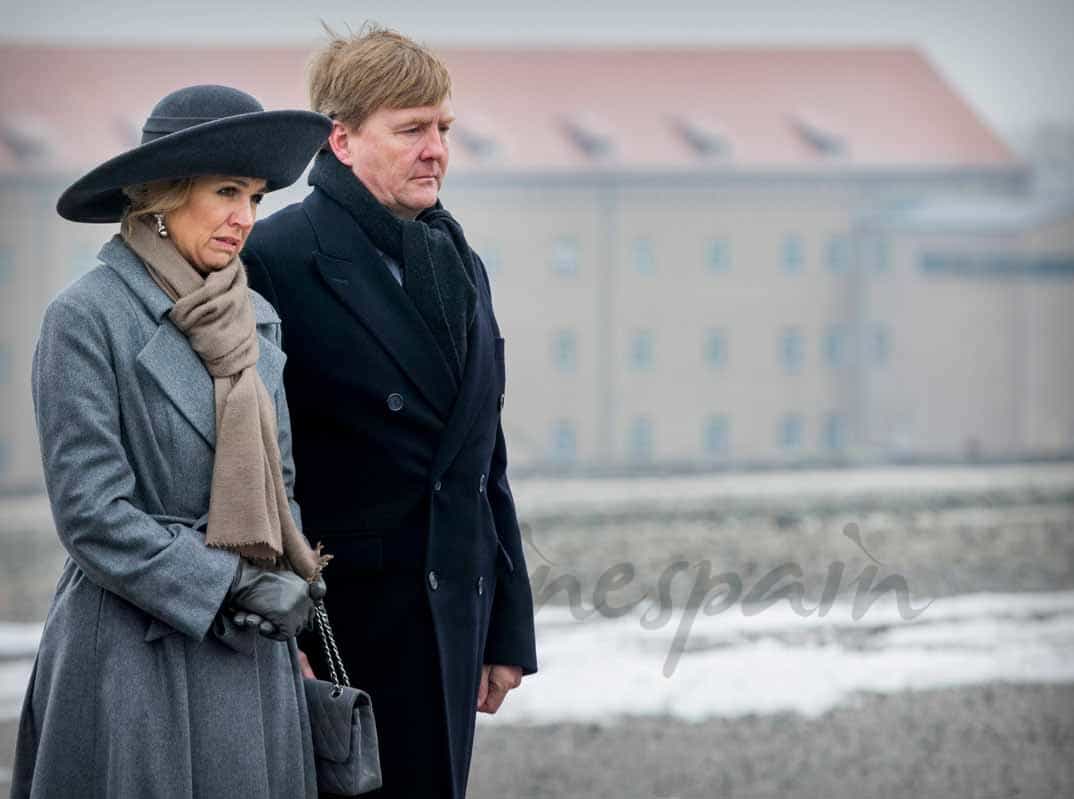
[181, 375]
[353, 271]
[168, 358]
[478, 378]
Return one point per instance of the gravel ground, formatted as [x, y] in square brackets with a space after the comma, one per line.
[964, 743]
[985, 742]
[938, 551]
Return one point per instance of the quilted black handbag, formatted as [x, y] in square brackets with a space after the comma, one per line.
[344, 733]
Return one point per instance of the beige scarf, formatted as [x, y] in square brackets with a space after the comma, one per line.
[248, 508]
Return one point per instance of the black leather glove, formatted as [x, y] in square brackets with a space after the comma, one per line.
[277, 603]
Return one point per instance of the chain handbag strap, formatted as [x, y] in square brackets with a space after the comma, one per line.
[331, 651]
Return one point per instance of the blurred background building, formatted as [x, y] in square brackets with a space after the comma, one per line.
[701, 257]
[721, 235]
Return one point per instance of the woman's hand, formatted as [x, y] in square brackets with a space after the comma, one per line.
[276, 603]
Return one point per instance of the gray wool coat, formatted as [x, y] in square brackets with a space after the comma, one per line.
[139, 689]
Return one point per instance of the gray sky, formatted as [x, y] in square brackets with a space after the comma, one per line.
[1012, 60]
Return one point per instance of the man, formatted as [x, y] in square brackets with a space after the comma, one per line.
[395, 380]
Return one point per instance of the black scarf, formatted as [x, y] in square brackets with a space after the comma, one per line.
[439, 274]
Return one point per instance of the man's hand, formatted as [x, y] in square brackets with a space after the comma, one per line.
[496, 681]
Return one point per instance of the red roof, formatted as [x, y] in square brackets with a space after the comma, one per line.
[551, 109]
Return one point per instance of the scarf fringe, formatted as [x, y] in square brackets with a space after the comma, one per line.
[279, 562]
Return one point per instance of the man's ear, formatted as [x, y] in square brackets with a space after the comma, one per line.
[337, 140]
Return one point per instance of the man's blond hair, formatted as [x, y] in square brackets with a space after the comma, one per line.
[356, 75]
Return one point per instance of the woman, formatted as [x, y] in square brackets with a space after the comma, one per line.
[168, 665]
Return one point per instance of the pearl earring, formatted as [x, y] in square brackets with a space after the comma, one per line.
[161, 230]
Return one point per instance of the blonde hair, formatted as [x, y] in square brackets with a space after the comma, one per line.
[158, 197]
[355, 75]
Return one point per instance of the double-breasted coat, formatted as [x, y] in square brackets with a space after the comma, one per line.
[137, 689]
[401, 474]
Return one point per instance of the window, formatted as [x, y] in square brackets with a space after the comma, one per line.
[839, 254]
[565, 255]
[644, 257]
[791, 428]
[7, 264]
[716, 348]
[793, 253]
[715, 437]
[880, 343]
[836, 346]
[641, 438]
[562, 441]
[564, 350]
[641, 349]
[718, 255]
[792, 350]
[879, 255]
[834, 432]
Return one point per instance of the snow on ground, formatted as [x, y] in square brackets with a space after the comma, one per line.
[544, 496]
[18, 640]
[595, 669]
[731, 664]
[14, 677]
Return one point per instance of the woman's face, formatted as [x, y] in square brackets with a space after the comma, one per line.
[211, 227]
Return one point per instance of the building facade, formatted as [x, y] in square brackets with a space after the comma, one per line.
[699, 258]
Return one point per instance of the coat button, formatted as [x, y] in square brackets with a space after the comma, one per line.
[481, 485]
[434, 581]
[437, 485]
[480, 586]
[502, 397]
[395, 402]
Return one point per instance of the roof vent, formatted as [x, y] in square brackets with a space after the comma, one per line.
[706, 139]
[590, 136]
[820, 136]
[28, 138]
[476, 138]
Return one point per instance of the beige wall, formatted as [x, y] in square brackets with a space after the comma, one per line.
[972, 366]
[534, 303]
[751, 301]
[979, 363]
[1048, 424]
[973, 363]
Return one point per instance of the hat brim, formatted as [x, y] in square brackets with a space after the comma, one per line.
[275, 146]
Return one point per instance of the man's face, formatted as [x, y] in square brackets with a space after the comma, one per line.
[401, 155]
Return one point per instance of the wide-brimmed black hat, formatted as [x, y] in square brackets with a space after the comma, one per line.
[201, 130]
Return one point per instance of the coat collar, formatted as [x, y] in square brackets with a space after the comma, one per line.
[122, 259]
[352, 270]
[168, 358]
[381, 305]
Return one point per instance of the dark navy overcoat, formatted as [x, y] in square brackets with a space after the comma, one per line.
[401, 475]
